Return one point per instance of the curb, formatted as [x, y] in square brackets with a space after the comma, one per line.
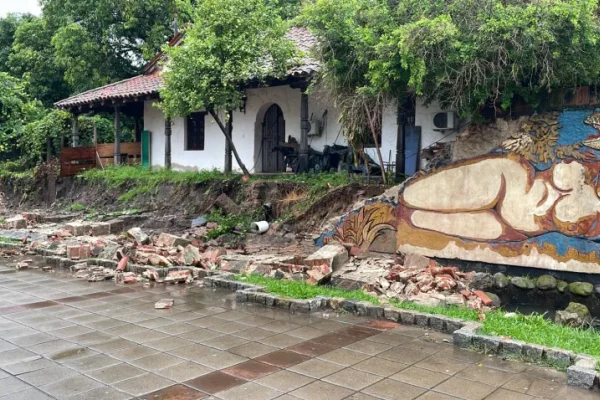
[581, 372]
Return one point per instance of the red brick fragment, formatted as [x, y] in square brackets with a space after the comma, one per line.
[484, 298]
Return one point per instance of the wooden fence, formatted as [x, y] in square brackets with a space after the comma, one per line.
[75, 160]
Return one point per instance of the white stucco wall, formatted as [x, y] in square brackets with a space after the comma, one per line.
[247, 130]
[424, 118]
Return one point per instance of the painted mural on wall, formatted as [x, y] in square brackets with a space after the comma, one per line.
[534, 201]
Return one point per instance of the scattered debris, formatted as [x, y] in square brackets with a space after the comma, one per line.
[164, 304]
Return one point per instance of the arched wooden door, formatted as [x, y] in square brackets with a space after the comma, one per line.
[273, 132]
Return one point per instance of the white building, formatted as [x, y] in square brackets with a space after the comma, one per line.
[271, 115]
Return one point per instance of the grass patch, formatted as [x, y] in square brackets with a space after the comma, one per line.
[533, 329]
[4, 239]
[2, 220]
[301, 290]
[77, 207]
[229, 223]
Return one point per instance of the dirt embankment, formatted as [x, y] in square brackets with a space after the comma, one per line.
[293, 202]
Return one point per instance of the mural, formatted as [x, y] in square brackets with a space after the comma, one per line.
[534, 201]
[365, 225]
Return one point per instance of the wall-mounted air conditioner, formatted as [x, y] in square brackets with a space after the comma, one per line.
[445, 120]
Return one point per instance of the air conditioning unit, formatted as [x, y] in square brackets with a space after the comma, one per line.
[445, 120]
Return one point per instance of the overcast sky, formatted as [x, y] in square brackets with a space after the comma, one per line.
[19, 6]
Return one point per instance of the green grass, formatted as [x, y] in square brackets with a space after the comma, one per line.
[533, 329]
[4, 239]
[2, 220]
[77, 207]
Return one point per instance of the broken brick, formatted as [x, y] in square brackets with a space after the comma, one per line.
[485, 299]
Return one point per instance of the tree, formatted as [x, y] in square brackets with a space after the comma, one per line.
[8, 28]
[472, 55]
[230, 44]
[16, 110]
[348, 32]
[32, 58]
[102, 41]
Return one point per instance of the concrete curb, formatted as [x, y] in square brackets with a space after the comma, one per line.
[581, 372]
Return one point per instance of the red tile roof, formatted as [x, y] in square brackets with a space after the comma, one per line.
[143, 85]
[133, 87]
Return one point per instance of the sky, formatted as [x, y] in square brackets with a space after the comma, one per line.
[19, 6]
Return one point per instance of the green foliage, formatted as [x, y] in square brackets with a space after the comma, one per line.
[115, 177]
[16, 110]
[229, 223]
[8, 28]
[32, 58]
[468, 55]
[100, 41]
[532, 329]
[230, 43]
[77, 207]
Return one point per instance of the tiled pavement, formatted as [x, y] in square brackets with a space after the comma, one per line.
[62, 338]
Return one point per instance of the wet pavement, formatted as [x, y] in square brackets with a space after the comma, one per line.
[62, 338]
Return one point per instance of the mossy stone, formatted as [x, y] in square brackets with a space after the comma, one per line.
[579, 309]
[561, 286]
[501, 281]
[546, 282]
[522, 282]
[581, 288]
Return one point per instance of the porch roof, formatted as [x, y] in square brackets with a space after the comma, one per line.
[137, 86]
[150, 83]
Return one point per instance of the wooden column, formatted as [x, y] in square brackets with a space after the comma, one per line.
[117, 135]
[75, 131]
[304, 129]
[138, 129]
[168, 131]
[228, 159]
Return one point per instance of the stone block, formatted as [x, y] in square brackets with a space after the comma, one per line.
[533, 351]
[270, 300]
[375, 311]
[486, 343]
[453, 324]
[300, 306]
[241, 296]
[78, 228]
[560, 355]
[437, 322]
[581, 377]
[116, 226]
[510, 346]
[408, 317]
[362, 308]
[16, 222]
[316, 304]
[168, 240]
[391, 314]
[422, 320]
[283, 303]
[335, 255]
[100, 228]
[260, 298]
[139, 236]
[463, 338]
[348, 305]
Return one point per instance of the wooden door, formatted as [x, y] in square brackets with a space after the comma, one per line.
[273, 132]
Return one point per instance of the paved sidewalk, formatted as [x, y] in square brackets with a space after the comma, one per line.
[67, 339]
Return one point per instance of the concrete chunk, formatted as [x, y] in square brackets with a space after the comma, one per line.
[334, 255]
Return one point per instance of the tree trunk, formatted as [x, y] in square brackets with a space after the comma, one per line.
[374, 133]
[231, 145]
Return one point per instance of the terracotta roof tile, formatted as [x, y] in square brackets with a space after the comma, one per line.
[137, 86]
